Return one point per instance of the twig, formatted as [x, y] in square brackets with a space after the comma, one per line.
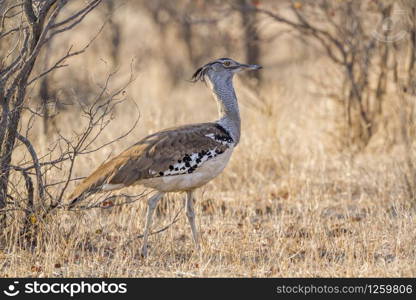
[36, 165]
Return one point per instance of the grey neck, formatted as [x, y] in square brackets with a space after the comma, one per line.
[223, 90]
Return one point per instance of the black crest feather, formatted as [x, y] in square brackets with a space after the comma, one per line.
[202, 71]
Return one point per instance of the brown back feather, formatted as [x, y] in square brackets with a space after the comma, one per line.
[151, 155]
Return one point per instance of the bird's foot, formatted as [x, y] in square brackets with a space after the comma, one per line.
[197, 248]
[143, 252]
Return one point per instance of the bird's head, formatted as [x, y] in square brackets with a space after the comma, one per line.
[221, 68]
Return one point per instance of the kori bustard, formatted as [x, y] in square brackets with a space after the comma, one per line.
[179, 159]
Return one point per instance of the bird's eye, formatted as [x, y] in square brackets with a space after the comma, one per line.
[226, 63]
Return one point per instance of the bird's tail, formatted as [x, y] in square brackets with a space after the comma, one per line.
[90, 185]
[102, 179]
[80, 194]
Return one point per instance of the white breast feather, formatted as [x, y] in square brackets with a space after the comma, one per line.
[203, 174]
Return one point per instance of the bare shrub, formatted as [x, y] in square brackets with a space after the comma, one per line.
[365, 55]
[26, 29]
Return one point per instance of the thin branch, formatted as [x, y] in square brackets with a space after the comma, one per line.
[73, 18]
[36, 164]
[58, 64]
[2, 35]
[81, 14]
[4, 16]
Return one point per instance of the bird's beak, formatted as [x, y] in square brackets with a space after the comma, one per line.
[250, 67]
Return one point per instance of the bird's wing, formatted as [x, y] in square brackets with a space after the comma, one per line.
[170, 152]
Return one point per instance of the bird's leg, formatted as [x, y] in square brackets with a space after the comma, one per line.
[190, 213]
[151, 205]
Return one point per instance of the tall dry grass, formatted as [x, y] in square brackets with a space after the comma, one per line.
[292, 202]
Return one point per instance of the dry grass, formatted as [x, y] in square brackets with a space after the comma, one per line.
[285, 206]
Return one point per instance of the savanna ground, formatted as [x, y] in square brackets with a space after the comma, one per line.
[296, 200]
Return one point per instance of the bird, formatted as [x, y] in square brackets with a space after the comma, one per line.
[179, 159]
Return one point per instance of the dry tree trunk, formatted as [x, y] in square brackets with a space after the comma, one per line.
[409, 7]
[13, 91]
[251, 36]
[115, 32]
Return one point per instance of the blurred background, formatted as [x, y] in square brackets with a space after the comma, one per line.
[327, 128]
[338, 74]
